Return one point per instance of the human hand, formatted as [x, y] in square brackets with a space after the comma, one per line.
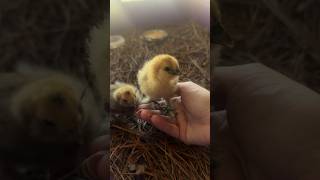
[273, 125]
[192, 125]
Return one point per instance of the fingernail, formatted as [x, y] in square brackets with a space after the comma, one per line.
[155, 111]
[145, 115]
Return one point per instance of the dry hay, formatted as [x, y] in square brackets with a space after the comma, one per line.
[49, 33]
[282, 34]
[152, 152]
[161, 156]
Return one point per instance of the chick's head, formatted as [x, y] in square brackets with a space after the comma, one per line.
[126, 95]
[166, 67]
[54, 115]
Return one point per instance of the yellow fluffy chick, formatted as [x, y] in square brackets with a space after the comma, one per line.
[52, 110]
[55, 108]
[123, 95]
[159, 76]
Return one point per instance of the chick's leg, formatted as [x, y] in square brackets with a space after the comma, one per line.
[169, 109]
[164, 105]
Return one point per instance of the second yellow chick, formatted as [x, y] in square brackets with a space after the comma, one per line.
[159, 76]
[123, 95]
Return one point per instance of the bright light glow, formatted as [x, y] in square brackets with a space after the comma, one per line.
[118, 17]
[126, 14]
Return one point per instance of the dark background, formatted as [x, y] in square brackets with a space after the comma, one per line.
[282, 34]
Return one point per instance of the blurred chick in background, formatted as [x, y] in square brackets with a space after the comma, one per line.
[123, 97]
[50, 108]
[47, 118]
[158, 78]
[58, 102]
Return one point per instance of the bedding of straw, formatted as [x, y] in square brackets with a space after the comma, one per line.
[281, 34]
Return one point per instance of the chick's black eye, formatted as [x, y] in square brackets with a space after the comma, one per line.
[166, 68]
[127, 93]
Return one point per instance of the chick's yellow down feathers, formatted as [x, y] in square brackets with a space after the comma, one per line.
[124, 95]
[159, 76]
[55, 107]
[52, 106]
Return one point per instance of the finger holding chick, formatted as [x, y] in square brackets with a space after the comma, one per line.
[158, 78]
